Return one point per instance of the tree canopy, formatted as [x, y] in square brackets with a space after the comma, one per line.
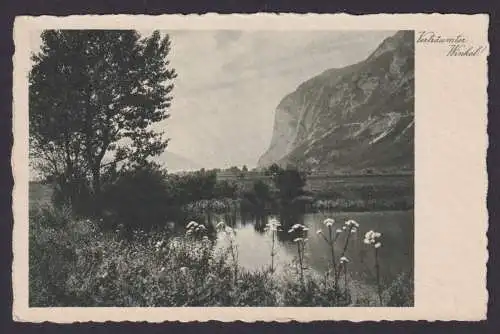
[94, 96]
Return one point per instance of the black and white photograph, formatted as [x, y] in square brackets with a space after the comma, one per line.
[230, 168]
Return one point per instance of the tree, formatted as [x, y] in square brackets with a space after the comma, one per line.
[289, 182]
[93, 97]
[273, 170]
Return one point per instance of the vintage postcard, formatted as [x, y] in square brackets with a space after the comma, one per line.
[250, 167]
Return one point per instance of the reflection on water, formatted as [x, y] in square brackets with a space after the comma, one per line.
[396, 254]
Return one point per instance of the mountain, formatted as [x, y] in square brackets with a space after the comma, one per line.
[177, 163]
[353, 118]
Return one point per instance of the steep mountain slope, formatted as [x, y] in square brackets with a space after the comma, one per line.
[353, 118]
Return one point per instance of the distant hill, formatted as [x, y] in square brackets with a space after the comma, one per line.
[174, 162]
[354, 118]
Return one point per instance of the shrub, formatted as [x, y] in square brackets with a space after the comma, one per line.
[138, 199]
[400, 292]
[52, 255]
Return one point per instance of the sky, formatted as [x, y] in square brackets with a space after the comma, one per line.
[230, 82]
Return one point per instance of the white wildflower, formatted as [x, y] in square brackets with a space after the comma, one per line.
[297, 239]
[220, 224]
[352, 222]
[338, 230]
[191, 224]
[319, 232]
[372, 238]
[274, 221]
[329, 222]
[343, 259]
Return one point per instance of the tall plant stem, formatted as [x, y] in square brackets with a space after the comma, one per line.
[272, 252]
[301, 269]
[337, 273]
[345, 279]
[332, 248]
[377, 270]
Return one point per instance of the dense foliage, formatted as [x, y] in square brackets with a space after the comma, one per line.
[93, 97]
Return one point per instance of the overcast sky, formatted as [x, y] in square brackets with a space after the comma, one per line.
[230, 82]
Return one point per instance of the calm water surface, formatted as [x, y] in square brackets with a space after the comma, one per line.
[396, 253]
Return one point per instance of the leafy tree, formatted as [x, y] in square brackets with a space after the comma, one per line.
[93, 97]
[262, 190]
[289, 182]
[274, 169]
[224, 189]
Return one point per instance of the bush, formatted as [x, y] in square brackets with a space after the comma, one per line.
[52, 255]
[400, 292]
[138, 199]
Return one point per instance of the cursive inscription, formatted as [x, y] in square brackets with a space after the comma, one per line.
[458, 45]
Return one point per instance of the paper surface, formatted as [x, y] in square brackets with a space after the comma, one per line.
[450, 165]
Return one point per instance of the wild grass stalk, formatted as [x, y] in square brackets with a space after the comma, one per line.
[350, 227]
[301, 232]
[273, 226]
[229, 234]
[377, 270]
[344, 261]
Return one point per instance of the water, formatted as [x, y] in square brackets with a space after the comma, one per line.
[395, 255]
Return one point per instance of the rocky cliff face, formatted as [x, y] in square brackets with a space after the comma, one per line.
[353, 118]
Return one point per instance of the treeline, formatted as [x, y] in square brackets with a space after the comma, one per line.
[148, 196]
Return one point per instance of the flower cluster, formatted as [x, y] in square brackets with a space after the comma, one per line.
[343, 259]
[300, 239]
[328, 222]
[159, 245]
[273, 225]
[373, 238]
[351, 225]
[195, 228]
[298, 228]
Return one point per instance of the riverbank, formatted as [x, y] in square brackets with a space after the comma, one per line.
[74, 263]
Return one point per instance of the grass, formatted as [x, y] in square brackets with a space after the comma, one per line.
[74, 263]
